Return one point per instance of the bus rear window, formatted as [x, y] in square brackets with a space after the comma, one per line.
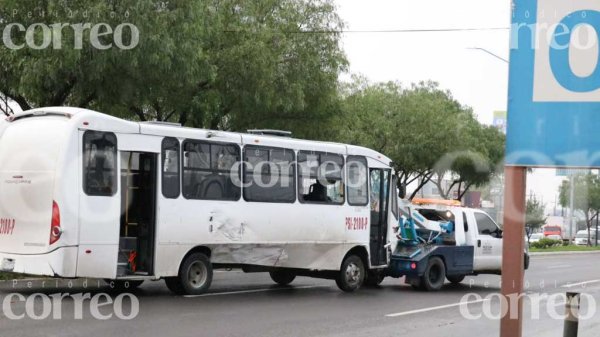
[99, 163]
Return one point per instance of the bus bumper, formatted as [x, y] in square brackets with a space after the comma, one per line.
[60, 262]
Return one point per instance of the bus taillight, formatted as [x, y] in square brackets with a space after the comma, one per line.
[55, 229]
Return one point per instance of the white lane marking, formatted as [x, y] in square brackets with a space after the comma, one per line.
[253, 291]
[406, 313]
[560, 266]
[580, 284]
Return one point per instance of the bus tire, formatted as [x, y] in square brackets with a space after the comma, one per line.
[352, 274]
[174, 285]
[374, 278]
[195, 276]
[282, 277]
[456, 279]
[435, 275]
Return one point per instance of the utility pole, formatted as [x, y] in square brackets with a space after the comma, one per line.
[571, 205]
[596, 234]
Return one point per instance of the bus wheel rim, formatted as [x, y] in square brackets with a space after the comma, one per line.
[352, 273]
[197, 275]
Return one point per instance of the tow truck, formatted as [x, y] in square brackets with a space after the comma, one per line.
[438, 240]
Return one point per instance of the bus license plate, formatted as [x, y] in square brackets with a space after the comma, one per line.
[7, 265]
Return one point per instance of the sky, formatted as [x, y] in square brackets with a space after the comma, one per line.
[474, 77]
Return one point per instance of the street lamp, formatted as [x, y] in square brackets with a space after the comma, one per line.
[489, 53]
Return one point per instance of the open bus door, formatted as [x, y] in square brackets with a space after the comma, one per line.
[379, 189]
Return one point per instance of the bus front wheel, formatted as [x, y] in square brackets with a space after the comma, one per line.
[352, 274]
[195, 276]
[374, 278]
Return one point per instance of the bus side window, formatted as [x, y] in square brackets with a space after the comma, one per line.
[269, 174]
[358, 191]
[208, 170]
[465, 222]
[99, 163]
[321, 178]
[170, 168]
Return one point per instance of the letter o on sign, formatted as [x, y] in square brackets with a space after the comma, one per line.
[559, 57]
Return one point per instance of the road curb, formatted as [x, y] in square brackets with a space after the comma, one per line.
[564, 253]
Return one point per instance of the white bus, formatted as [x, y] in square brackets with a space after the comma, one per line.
[84, 194]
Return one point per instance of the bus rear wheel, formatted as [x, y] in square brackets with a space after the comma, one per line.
[282, 277]
[352, 274]
[195, 276]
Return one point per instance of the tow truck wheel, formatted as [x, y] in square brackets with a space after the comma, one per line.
[195, 276]
[435, 275]
[352, 274]
[281, 277]
[456, 279]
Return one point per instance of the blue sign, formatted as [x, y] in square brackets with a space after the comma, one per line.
[554, 84]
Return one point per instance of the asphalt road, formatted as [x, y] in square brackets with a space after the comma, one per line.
[248, 305]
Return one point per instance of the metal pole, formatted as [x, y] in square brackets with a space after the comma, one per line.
[597, 215]
[513, 251]
[572, 315]
[571, 205]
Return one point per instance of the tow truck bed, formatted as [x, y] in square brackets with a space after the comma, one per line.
[411, 261]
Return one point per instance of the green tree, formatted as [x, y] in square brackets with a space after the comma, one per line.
[535, 217]
[586, 197]
[479, 153]
[421, 128]
[407, 124]
[225, 64]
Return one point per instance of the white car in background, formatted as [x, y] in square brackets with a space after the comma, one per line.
[535, 237]
[581, 239]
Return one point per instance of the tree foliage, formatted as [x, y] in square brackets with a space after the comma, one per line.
[226, 64]
[586, 197]
[535, 214]
[423, 129]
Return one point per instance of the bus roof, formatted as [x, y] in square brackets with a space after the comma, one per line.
[93, 120]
